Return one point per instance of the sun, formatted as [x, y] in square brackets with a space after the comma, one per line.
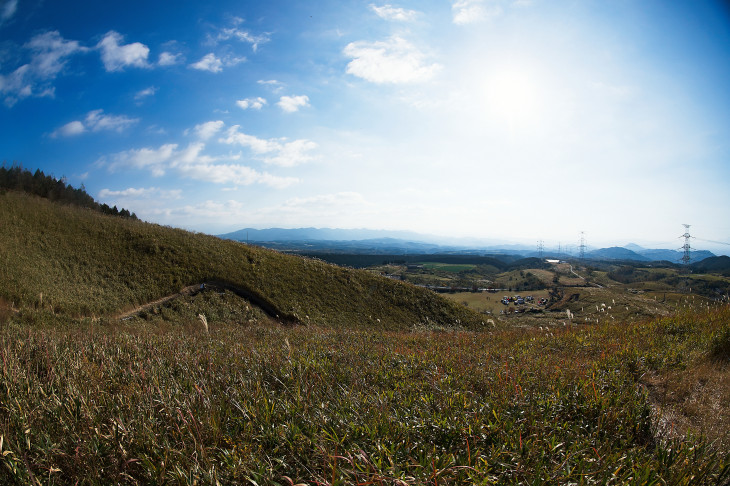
[511, 96]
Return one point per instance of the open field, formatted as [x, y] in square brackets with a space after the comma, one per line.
[490, 302]
[117, 367]
[159, 400]
[447, 267]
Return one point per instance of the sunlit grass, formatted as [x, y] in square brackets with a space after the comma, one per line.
[162, 401]
[77, 262]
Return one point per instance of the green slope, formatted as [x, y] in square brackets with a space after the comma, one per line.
[81, 263]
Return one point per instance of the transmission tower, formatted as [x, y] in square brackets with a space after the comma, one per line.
[687, 249]
[582, 247]
[540, 248]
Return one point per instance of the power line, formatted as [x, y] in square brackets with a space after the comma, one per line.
[711, 241]
[582, 247]
[686, 258]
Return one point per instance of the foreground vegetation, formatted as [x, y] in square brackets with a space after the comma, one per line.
[160, 400]
[289, 370]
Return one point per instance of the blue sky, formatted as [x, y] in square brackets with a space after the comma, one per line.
[517, 120]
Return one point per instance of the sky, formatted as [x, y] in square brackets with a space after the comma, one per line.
[509, 120]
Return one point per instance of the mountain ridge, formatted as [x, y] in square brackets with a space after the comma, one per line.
[402, 242]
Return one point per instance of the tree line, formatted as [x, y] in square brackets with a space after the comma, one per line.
[17, 178]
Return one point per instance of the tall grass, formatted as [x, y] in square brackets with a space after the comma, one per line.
[86, 264]
[161, 401]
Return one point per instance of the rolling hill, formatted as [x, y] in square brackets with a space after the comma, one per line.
[81, 263]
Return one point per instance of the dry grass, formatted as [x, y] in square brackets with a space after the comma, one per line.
[161, 401]
[694, 401]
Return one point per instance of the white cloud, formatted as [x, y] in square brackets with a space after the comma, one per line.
[470, 11]
[140, 95]
[252, 103]
[50, 51]
[388, 12]
[243, 36]
[334, 209]
[141, 192]
[209, 63]
[290, 104]
[169, 59]
[192, 163]
[393, 61]
[324, 201]
[8, 10]
[49, 54]
[214, 64]
[258, 145]
[208, 129]
[116, 57]
[292, 153]
[95, 121]
[234, 174]
[278, 151]
[272, 84]
[155, 160]
[70, 129]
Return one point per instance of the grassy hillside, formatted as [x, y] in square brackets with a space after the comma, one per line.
[77, 262]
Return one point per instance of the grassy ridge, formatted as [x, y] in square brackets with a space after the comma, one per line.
[165, 403]
[77, 262]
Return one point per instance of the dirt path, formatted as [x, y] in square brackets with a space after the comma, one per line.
[189, 290]
[263, 303]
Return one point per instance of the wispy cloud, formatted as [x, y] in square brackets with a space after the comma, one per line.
[392, 61]
[398, 14]
[116, 56]
[141, 192]
[272, 84]
[210, 62]
[335, 209]
[470, 11]
[154, 160]
[145, 93]
[169, 59]
[49, 54]
[251, 103]
[243, 36]
[69, 129]
[290, 104]
[8, 10]
[274, 151]
[95, 121]
[191, 162]
[206, 130]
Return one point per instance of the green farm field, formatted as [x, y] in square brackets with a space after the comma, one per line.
[447, 267]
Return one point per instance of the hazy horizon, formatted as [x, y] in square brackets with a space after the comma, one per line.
[514, 120]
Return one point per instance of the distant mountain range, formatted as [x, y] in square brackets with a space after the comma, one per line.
[636, 253]
[364, 241]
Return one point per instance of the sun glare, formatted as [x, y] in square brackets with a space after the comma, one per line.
[512, 96]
